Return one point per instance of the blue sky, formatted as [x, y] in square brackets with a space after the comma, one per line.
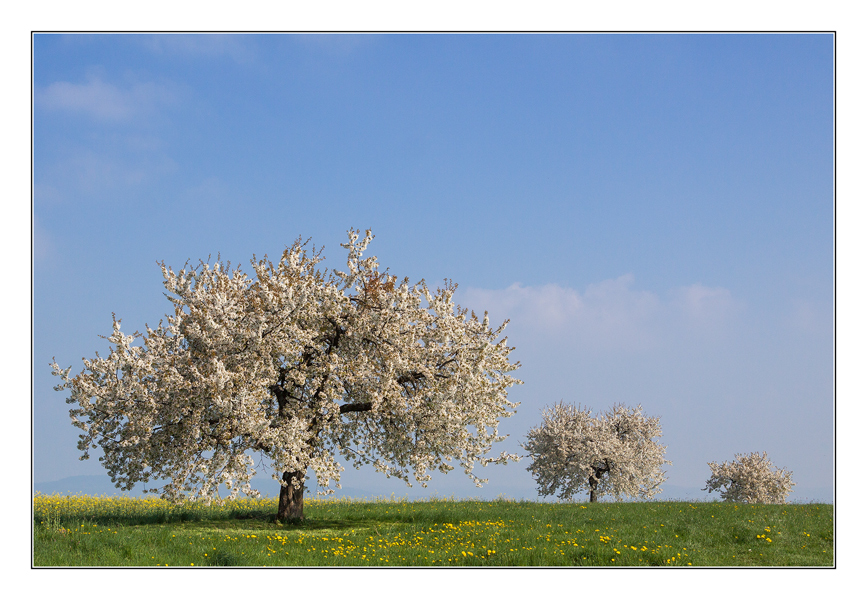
[654, 213]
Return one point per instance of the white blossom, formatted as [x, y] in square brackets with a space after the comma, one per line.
[750, 478]
[613, 453]
[298, 364]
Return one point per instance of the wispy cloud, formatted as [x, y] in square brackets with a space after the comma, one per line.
[94, 173]
[335, 44]
[45, 195]
[102, 100]
[610, 314]
[809, 317]
[209, 190]
[236, 47]
[43, 246]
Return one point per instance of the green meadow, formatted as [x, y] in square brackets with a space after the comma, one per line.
[122, 531]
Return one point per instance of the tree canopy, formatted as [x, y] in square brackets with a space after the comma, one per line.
[614, 453]
[298, 365]
[750, 478]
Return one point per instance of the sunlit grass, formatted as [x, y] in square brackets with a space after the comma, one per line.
[86, 530]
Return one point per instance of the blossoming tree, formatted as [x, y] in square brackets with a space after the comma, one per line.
[750, 478]
[299, 366]
[613, 453]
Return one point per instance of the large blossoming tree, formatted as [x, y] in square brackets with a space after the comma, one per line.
[301, 367]
[613, 453]
[750, 478]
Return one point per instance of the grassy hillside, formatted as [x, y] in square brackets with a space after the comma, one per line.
[86, 530]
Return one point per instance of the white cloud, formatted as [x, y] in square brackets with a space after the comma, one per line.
[104, 101]
[703, 307]
[698, 299]
[615, 308]
[607, 315]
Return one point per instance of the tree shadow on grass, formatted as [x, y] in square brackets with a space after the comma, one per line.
[234, 521]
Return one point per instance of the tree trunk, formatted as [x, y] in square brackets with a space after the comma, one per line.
[291, 507]
[594, 481]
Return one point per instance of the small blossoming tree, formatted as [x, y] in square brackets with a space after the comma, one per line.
[751, 479]
[614, 453]
[298, 366]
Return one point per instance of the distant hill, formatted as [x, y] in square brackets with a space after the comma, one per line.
[799, 495]
[100, 485]
[92, 485]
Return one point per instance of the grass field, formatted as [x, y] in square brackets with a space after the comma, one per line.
[120, 531]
